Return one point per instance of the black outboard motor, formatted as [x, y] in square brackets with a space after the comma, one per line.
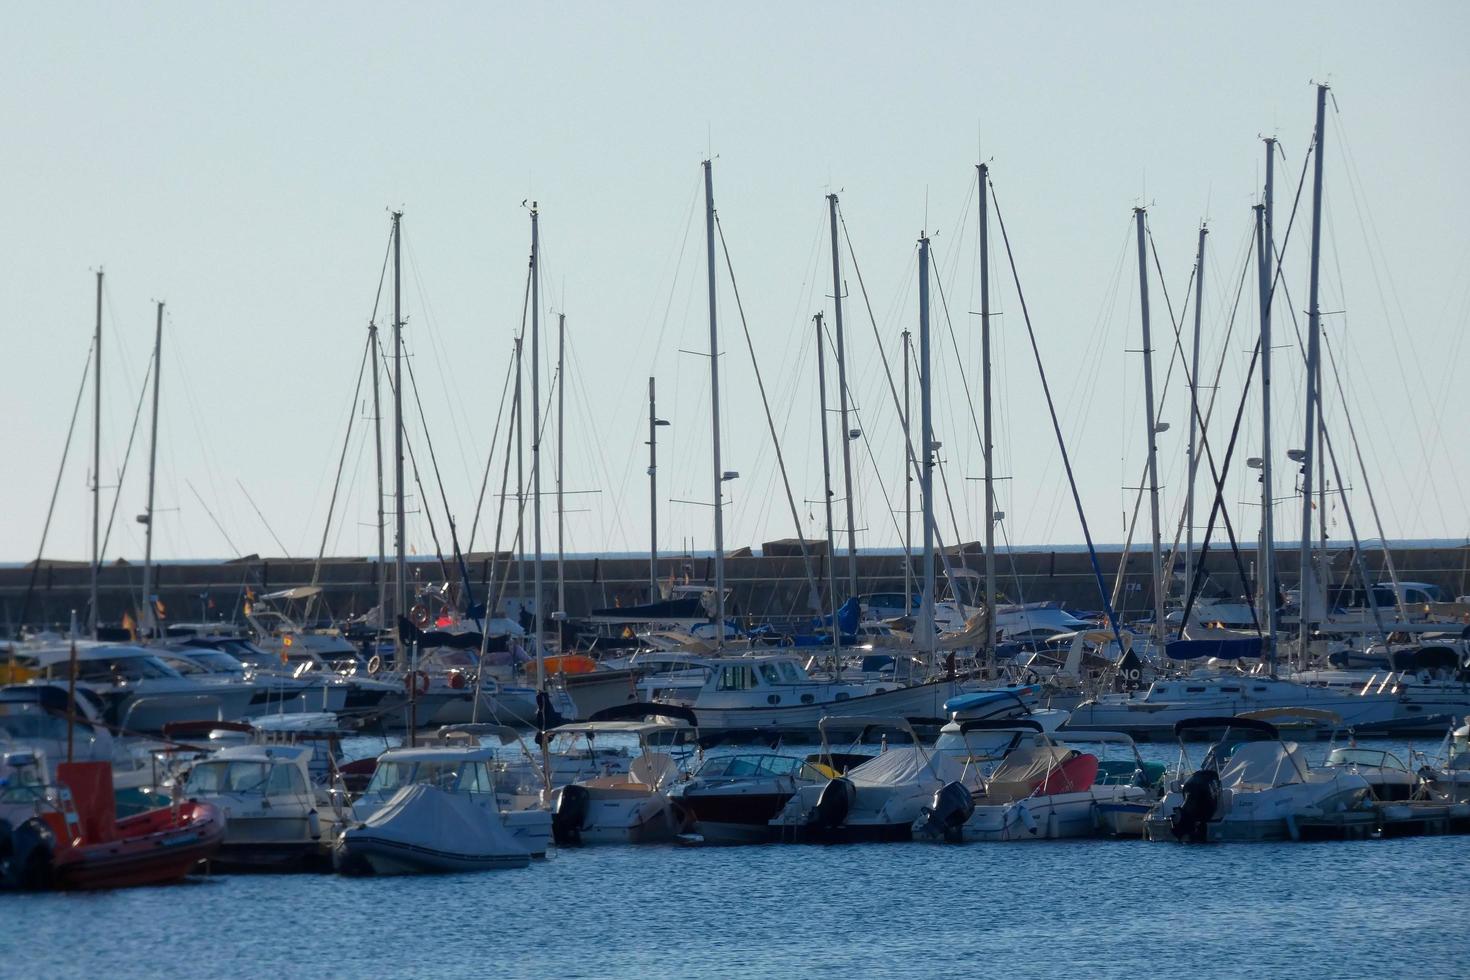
[1201, 793]
[572, 804]
[833, 805]
[951, 807]
[27, 866]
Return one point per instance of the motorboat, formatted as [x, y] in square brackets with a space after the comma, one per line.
[1155, 711]
[270, 693]
[732, 799]
[464, 769]
[139, 692]
[76, 841]
[1252, 785]
[276, 819]
[1036, 788]
[775, 693]
[422, 829]
[1388, 778]
[633, 807]
[878, 799]
[1447, 772]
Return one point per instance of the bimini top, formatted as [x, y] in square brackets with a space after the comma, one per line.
[1221, 649]
[980, 699]
[640, 710]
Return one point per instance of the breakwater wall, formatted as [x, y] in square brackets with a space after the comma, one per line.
[771, 584]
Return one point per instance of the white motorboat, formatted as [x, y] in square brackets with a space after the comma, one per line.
[775, 693]
[270, 693]
[421, 829]
[876, 800]
[1447, 772]
[1252, 786]
[1036, 788]
[275, 818]
[1154, 712]
[465, 770]
[139, 692]
[632, 807]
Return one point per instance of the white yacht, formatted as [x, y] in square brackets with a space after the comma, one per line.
[632, 807]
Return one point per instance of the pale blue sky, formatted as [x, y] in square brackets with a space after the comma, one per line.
[238, 161]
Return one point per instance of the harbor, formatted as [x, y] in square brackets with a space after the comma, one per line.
[601, 492]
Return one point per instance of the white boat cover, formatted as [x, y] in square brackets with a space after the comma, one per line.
[906, 765]
[443, 831]
[1256, 764]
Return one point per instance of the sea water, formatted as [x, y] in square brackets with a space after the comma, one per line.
[1093, 908]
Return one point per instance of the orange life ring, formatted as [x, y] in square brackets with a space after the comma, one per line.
[416, 681]
[419, 615]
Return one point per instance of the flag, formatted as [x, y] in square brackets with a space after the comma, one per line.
[130, 626]
[158, 607]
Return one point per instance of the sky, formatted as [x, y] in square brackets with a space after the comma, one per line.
[239, 163]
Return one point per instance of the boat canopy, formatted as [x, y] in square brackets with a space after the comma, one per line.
[299, 592]
[907, 764]
[1221, 649]
[640, 710]
[1264, 764]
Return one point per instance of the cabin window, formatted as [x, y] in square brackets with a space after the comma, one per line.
[285, 780]
[1229, 690]
[738, 677]
[1194, 690]
[476, 779]
[1260, 688]
[768, 671]
[789, 672]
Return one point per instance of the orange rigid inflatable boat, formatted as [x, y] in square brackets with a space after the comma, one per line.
[83, 845]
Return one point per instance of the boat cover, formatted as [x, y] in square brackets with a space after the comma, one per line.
[1221, 649]
[1264, 764]
[436, 824]
[904, 765]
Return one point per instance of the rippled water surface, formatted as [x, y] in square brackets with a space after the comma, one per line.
[1083, 908]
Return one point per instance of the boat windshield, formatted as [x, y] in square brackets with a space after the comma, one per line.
[216, 662]
[111, 670]
[212, 778]
[21, 784]
[755, 766]
[450, 775]
[20, 722]
[1375, 758]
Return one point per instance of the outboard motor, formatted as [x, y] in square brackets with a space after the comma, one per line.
[570, 812]
[27, 866]
[951, 807]
[1201, 793]
[833, 805]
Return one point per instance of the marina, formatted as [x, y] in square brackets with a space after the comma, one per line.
[900, 495]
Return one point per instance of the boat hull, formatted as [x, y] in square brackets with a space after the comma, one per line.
[921, 701]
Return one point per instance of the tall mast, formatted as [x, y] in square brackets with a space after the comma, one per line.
[520, 482]
[926, 474]
[94, 615]
[1148, 405]
[908, 489]
[989, 448]
[714, 394]
[1266, 249]
[150, 612]
[536, 441]
[400, 581]
[827, 488]
[852, 576]
[653, 423]
[561, 423]
[1199, 303]
[1314, 331]
[378, 456]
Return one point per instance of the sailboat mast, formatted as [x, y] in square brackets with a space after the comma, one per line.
[1194, 433]
[536, 442]
[926, 474]
[150, 613]
[1266, 252]
[94, 615]
[989, 448]
[520, 482]
[1314, 331]
[908, 489]
[827, 486]
[561, 422]
[714, 394]
[400, 581]
[1153, 456]
[852, 576]
[652, 496]
[378, 458]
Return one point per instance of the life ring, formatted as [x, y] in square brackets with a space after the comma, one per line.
[456, 679]
[374, 664]
[416, 682]
[419, 615]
